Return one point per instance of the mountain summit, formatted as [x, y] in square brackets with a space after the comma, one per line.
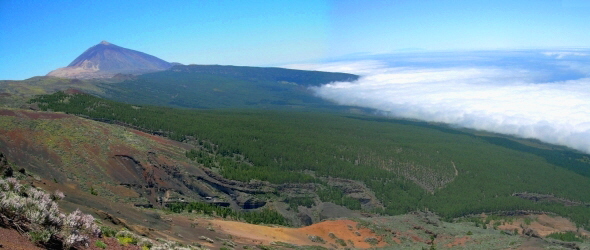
[105, 60]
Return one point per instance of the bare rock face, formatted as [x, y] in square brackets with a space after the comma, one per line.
[106, 60]
[246, 201]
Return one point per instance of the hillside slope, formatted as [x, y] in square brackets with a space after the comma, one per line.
[100, 161]
[106, 169]
[408, 165]
[15, 94]
[216, 86]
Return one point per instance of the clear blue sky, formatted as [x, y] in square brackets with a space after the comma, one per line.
[39, 36]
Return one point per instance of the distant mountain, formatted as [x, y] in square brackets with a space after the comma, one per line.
[105, 60]
[116, 73]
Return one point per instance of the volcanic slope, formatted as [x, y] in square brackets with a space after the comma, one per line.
[117, 162]
[105, 60]
[407, 165]
[100, 161]
[104, 169]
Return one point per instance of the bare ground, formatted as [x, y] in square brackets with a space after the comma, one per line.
[329, 231]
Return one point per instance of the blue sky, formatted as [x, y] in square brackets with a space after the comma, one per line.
[39, 36]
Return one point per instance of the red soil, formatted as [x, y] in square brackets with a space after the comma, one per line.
[11, 239]
[543, 225]
[342, 229]
[458, 242]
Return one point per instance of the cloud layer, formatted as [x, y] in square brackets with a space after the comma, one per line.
[545, 98]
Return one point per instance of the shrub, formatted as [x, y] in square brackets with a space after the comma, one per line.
[145, 243]
[108, 231]
[371, 240]
[341, 242]
[528, 220]
[124, 241]
[74, 224]
[168, 245]
[32, 210]
[100, 244]
[565, 236]
[126, 237]
[317, 239]
[40, 236]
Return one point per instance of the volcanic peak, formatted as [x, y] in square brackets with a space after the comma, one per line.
[105, 60]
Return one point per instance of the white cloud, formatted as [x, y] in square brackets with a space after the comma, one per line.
[563, 54]
[363, 67]
[496, 99]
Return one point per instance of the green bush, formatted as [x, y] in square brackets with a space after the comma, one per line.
[100, 244]
[528, 220]
[93, 191]
[40, 236]
[108, 231]
[566, 236]
[371, 240]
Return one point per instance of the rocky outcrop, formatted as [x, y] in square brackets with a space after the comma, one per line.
[5, 169]
[357, 190]
[246, 201]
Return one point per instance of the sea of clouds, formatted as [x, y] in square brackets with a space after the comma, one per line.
[529, 93]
